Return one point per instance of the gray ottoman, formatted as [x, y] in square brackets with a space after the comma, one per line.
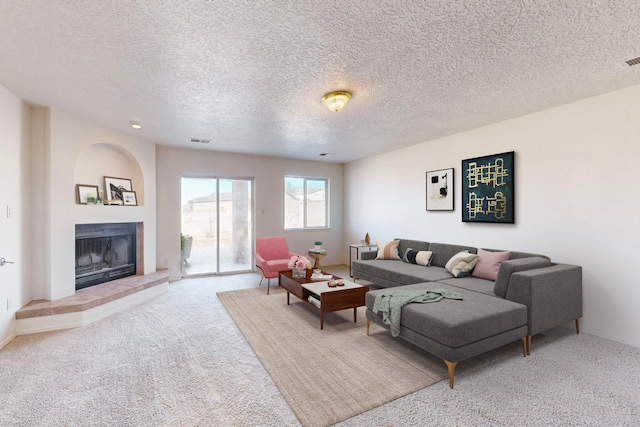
[456, 330]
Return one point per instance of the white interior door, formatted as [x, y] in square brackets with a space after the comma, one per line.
[11, 206]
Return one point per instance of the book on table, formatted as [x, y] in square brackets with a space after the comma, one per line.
[314, 299]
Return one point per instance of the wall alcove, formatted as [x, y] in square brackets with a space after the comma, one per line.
[104, 159]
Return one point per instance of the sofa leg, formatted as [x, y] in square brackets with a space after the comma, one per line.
[578, 326]
[451, 367]
[528, 345]
[368, 323]
[524, 346]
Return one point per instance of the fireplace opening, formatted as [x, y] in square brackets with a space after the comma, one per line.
[104, 252]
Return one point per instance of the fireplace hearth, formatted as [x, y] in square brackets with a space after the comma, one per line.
[104, 252]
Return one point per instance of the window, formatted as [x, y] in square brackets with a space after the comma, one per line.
[305, 202]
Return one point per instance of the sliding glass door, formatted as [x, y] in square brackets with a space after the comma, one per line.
[216, 225]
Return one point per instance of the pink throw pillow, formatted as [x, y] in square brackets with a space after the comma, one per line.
[489, 264]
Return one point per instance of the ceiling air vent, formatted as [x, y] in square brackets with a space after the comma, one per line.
[634, 61]
[200, 141]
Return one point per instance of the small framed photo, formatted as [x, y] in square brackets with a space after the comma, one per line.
[86, 193]
[113, 188]
[440, 190]
[129, 198]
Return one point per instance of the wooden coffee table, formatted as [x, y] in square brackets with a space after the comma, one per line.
[351, 295]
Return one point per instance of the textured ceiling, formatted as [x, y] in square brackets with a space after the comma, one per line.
[250, 75]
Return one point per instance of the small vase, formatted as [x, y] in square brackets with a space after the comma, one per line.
[367, 239]
[298, 273]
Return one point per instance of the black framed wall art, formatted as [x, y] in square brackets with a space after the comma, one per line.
[488, 189]
[113, 188]
[440, 190]
[129, 198]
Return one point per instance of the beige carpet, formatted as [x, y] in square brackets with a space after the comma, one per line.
[179, 360]
[327, 375]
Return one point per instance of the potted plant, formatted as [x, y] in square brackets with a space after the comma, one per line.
[185, 247]
[317, 244]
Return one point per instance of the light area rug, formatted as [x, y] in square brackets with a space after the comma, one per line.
[329, 375]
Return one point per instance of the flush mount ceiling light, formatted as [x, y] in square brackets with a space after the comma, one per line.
[135, 125]
[334, 101]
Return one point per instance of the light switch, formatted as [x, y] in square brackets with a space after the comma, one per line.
[9, 211]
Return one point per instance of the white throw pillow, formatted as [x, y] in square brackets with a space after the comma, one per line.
[461, 263]
[387, 250]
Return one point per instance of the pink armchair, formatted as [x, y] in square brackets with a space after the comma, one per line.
[272, 257]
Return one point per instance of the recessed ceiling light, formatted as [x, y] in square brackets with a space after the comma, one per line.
[326, 154]
[135, 125]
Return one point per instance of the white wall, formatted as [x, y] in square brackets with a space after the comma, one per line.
[62, 150]
[14, 190]
[268, 172]
[576, 198]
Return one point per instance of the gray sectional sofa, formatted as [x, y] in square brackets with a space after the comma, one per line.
[530, 295]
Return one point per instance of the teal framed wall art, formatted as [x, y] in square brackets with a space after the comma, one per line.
[488, 189]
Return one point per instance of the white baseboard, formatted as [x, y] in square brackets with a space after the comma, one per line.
[55, 322]
[7, 340]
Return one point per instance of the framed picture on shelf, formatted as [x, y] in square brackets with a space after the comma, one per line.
[488, 189]
[86, 193]
[113, 188]
[440, 190]
[129, 198]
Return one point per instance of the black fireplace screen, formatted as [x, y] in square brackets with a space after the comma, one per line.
[104, 252]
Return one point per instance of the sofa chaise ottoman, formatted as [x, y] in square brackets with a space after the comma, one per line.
[456, 330]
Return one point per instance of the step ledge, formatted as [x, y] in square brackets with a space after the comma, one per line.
[77, 318]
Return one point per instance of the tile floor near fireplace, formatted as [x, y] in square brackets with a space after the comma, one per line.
[105, 296]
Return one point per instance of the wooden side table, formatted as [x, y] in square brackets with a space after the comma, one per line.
[317, 254]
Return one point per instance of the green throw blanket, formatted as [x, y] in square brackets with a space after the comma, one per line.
[390, 302]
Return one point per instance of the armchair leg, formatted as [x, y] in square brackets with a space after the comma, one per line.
[578, 326]
[262, 278]
[268, 285]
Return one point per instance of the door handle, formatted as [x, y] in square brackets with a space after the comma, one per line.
[4, 261]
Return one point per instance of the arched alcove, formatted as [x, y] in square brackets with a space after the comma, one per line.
[104, 159]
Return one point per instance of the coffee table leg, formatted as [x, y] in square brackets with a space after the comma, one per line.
[321, 320]
[288, 297]
[355, 314]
